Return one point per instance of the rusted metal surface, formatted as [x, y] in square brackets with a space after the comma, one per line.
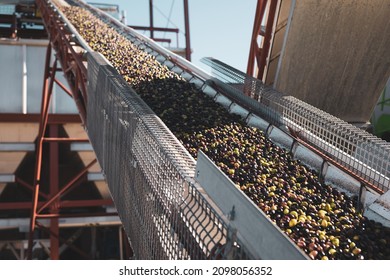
[187, 30]
[71, 60]
[62, 204]
[64, 140]
[35, 118]
[54, 188]
[67, 242]
[258, 54]
[67, 187]
[46, 94]
[262, 62]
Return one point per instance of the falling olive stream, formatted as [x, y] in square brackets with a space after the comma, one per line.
[321, 220]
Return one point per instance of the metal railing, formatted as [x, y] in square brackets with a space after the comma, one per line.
[166, 214]
[360, 152]
[150, 175]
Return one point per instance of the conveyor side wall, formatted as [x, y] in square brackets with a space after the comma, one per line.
[148, 172]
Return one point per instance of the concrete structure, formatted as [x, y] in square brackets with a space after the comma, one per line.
[332, 54]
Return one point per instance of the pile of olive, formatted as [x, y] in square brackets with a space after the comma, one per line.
[321, 220]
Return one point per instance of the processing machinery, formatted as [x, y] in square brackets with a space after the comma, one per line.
[174, 206]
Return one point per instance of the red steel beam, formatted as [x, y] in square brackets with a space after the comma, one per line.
[53, 187]
[46, 94]
[258, 54]
[86, 203]
[35, 118]
[64, 88]
[76, 215]
[267, 40]
[76, 74]
[67, 56]
[28, 186]
[62, 204]
[67, 187]
[259, 15]
[73, 247]
[16, 205]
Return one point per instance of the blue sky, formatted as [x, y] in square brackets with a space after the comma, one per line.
[218, 28]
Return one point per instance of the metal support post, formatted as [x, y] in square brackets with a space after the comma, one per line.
[187, 30]
[46, 95]
[267, 40]
[54, 181]
[258, 54]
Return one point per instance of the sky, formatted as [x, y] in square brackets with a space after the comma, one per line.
[220, 29]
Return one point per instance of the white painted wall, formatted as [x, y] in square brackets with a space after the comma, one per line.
[21, 79]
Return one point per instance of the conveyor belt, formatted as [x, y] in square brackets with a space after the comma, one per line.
[165, 210]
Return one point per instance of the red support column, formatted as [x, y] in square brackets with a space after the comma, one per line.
[67, 187]
[74, 248]
[267, 40]
[49, 205]
[54, 182]
[258, 54]
[46, 94]
[254, 49]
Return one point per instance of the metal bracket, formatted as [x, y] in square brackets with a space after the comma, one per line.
[361, 198]
[231, 214]
[323, 171]
[269, 130]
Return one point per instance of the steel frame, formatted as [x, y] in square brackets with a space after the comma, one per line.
[35, 118]
[258, 54]
[72, 63]
[151, 28]
[52, 203]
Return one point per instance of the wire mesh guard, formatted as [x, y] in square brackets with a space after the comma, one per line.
[360, 152]
[150, 175]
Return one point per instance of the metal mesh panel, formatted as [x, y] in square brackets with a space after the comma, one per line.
[360, 152]
[150, 174]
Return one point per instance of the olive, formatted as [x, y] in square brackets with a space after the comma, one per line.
[322, 220]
